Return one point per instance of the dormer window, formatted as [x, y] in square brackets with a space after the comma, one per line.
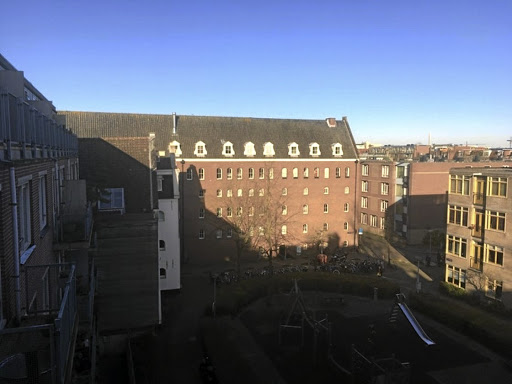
[293, 150]
[175, 148]
[249, 149]
[227, 149]
[337, 150]
[314, 150]
[268, 150]
[200, 150]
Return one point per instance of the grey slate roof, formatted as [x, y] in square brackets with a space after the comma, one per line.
[214, 130]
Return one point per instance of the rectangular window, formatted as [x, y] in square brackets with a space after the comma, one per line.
[251, 173]
[326, 208]
[229, 233]
[219, 212]
[306, 173]
[229, 212]
[458, 215]
[201, 173]
[201, 213]
[456, 276]
[493, 254]
[229, 193]
[459, 184]
[498, 186]
[494, 289]
[383, 205]
[364, 218]
[365, 186]
[201, 233]
[114, 200]
[229, 174]
[385, 171]
[189, 174]
[384, 188]
[373, 221]
[261, 173]
[218, 234]
[160, 183]
[284, 173]
[338, 172]
[365, 169]
[326, 173]
[456, 246]
[25, 218]
[364, 202]
[271, 173]
[495, 220]
[382, 223]
[219, 173]
[43, 204]
[201, 193]
[239, 173]
[399, 190]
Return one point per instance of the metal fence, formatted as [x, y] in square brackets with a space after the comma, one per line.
[39, 351]
[22, 124]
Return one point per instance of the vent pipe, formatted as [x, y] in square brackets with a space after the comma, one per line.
[174, 123]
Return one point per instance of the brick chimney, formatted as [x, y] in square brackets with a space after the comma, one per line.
[331, 122]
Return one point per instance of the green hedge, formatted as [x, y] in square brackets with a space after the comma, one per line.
[231, 299]
[490, 330]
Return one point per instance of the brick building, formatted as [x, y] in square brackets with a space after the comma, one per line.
[478, 241]
[310, 164]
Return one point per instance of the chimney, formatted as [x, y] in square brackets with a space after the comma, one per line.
[174, 123]
[331, 122]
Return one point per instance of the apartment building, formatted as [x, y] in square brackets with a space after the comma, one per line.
[377, 196]
[44, 234]
[478, 242]
[309, 165]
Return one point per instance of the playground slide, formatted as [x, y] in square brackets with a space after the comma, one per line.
[416, 326]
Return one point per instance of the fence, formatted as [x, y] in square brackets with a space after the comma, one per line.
[40, 353]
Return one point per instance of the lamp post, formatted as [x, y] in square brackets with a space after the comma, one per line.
[182, 218]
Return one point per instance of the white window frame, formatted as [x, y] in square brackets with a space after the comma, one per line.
[200, 173]
[326, 190]
[284, 191]
[24, 213]
[338, 172]
[229, 173]
[304, 228]
[261, 173]
[200, 149]
[346, 207]
[284, 230]
[251, 173]
[306, 173]
[219, 192]
[365, 170]
[249, 149]
[239, 173]
[305, 192]
[364, 202]
[347, 190]
[326, 208]
[365, 186]
[201, 234]
[284, 173]
[219, 173]
[43, 202]
[219, 212]
[268, 149]
[384, 189]
[305, 209]
[175, 147]
[227, 149]
[385, 171]
[337, 150]
[201, 213]
[293, 150]
[190, 174]
[314, 150]
[295, 173]
[384, 204]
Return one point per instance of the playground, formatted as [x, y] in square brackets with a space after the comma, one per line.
[330, 339]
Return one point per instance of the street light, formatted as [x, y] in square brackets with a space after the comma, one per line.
[182, 218]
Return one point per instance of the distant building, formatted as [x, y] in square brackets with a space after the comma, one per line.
[478, 243]
[310, 163]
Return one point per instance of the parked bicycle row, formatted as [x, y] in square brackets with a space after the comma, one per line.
[336, 266]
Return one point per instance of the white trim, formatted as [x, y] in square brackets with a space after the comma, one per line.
[266, 160]
[164, 172]
[42, 173]
[24, 180]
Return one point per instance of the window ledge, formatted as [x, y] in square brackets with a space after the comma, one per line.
[26, 255]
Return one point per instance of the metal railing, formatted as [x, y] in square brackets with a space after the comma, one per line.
[40, 349]
[34, 135]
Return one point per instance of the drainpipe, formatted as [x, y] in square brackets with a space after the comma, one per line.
[16, 240]
[356, 231]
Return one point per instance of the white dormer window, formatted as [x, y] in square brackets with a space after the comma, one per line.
[175, 148]
[249, 149]
[314, 150]
[200, 150]
[227, 149]
[293, 150]
[337, 150]
[268, 150]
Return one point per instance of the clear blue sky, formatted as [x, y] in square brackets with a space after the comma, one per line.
[397, 69]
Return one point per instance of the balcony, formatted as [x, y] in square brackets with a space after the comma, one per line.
[476, 264]
[41, 349]
[27, 133]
